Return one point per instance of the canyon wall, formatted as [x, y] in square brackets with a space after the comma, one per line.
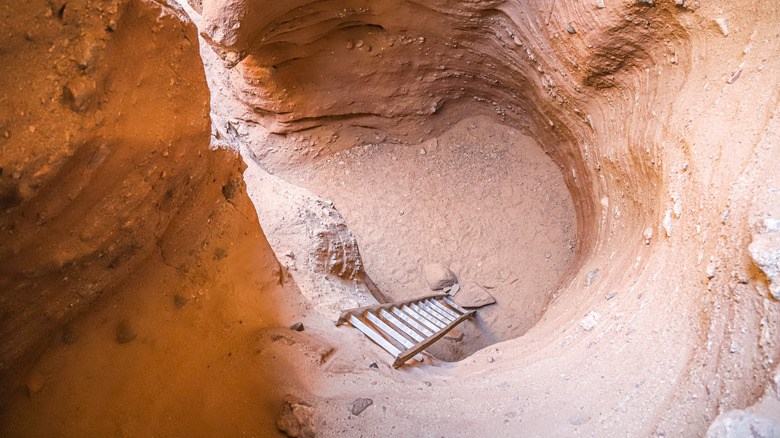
[105, 141]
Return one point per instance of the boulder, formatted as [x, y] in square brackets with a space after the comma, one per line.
[438, 276]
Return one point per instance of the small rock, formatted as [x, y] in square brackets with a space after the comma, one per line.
[723, 24]
[473, 296]
[373, 365]
[179, 301]
[733, 79]
[765, 252]
[600, 4]
[68, 336]
[220, 254]
[360, 405]
[591, 277]
[298, 327]
[125, 332]
[422, 151]
[590, 321]
[547, 255]
[578, 419]
[79, 92]
[711, 270]
[296, 418]
[35, 383]
[570, 29]
[667, 223]
[438, 276]
[610, 295]
[454, 289]
[359, 43]
[738, 423]
[232, 57]
[350, 45]
[490, 359]
[648, 234]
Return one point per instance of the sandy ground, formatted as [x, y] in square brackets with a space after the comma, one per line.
[481, 198]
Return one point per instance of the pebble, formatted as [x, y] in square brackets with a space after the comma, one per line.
[220, 254]
[79, 93]
[350, 45]
[360, 405]
[373, 365]
[711, 270]
[179, 301]
[610, 295]
[723, 24]
[68, 336]
[298, 327]
[359, 43]
[422, 151]
[591, 277]
[125, 332]
[648, 235]
[590, 321]
[490, 359]
[570, 29]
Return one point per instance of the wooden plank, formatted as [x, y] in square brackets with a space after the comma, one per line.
[405, 317]
[446, 319]
[443, 308]
[389, 330]
[373, 335]
[420, 346]
[440, 325]
[398, 324]
[414, 315]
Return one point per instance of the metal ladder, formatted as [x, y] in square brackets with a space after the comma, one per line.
[406, 328]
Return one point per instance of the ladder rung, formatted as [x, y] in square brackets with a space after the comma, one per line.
[434, 314]
[413, 314]
[376, 337]
[435, 311]
[443, 308]
[406, 328]
[405, 317]
[389, 330]
[440, 325]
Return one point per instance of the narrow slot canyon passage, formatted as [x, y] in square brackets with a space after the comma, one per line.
[192, 190]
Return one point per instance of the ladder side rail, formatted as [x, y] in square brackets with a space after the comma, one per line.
[406, 355]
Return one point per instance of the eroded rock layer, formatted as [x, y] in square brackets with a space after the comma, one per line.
[105, 136]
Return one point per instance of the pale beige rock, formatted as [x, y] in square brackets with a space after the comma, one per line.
[473, 295]
[296, 419]
[438, 276]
